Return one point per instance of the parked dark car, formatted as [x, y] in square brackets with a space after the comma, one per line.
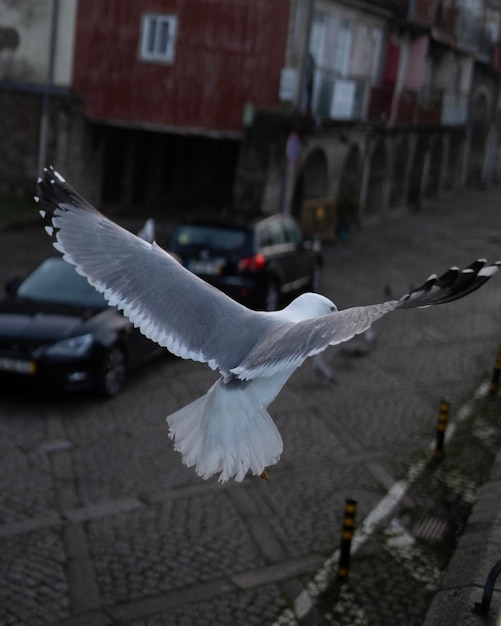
[58, 331]
[257, 263]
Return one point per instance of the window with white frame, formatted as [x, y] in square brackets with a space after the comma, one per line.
[158, 37]
[343, 47]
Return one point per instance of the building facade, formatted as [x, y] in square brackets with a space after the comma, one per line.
[393, 102]
[370, 106]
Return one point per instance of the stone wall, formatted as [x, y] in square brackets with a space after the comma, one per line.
[385, 168]
[73, 145]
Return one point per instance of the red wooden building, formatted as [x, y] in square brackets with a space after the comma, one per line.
[166, 83]
[152, 72]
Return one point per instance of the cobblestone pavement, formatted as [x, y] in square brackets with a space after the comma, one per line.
[101, 524]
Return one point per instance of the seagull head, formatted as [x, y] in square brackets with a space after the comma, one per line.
[307, 306]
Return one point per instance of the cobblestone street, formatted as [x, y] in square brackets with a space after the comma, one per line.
[100, 523]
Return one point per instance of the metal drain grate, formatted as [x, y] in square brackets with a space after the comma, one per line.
[431, 529]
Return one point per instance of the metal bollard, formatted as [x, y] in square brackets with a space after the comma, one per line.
[443, 418]
[482, 608]
[496, 373]
[350, 509]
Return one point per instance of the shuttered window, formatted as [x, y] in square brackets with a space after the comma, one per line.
[158, 37]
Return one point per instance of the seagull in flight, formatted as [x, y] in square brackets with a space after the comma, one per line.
[227, 431]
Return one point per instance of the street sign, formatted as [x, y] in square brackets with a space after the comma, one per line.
[292, 148]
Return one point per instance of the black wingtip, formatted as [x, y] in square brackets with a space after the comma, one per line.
[57, 195]
[452, 285]
[50, 186]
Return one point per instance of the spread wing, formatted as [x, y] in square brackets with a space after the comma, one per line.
[194, 320]
[293, 345]
[169, 304]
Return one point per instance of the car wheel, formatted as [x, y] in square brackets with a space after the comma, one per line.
[112, 372]
[316, 278]
[272, 296]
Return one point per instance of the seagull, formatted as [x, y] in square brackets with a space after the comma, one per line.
[227, 431]
[147, 232]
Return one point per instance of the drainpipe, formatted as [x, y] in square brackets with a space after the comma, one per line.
[493, 142]
[303, 96]
[44, 117]
[411, 10]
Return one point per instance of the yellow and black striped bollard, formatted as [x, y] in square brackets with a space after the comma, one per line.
[350, 509]
[443, 418]
[496, 373]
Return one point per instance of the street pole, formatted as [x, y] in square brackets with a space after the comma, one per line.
[44, 117]
[291, 153]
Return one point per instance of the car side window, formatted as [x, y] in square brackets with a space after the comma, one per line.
[264, 237]
[292, 232]
[211, 237]
[276, 233]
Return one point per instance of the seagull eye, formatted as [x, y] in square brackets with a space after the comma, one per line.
[332, 309]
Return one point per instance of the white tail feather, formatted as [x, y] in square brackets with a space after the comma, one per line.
[228, 430]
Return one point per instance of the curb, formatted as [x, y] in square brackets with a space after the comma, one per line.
[480, 544]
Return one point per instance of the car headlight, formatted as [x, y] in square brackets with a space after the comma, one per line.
[74, 346]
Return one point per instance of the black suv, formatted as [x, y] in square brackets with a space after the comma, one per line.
[256, 263]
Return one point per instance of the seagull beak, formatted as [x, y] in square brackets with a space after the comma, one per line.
[264, 475]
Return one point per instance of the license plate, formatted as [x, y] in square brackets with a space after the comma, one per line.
[209, 268]
[17, 365]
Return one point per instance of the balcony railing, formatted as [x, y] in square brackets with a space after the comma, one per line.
[454, 108]
[429, 107]
[412, 107]
[380, 103]
[453, 23]
[406, 107]
[419, 11]
[339, 98]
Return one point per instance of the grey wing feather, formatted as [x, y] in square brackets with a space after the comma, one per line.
[310, 337]
[292, 344]
[451, 285]
[170, 305]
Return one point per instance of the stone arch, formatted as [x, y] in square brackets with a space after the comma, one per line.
[480, 116]
[376, 199]
[349, 187]
[311, 180]
[454, 163]
[399, 174]
[433, 177]
[350, 177]
[417, 172]
[314, 174]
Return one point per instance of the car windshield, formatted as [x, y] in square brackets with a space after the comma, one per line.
[216, 238]
[56, 281]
